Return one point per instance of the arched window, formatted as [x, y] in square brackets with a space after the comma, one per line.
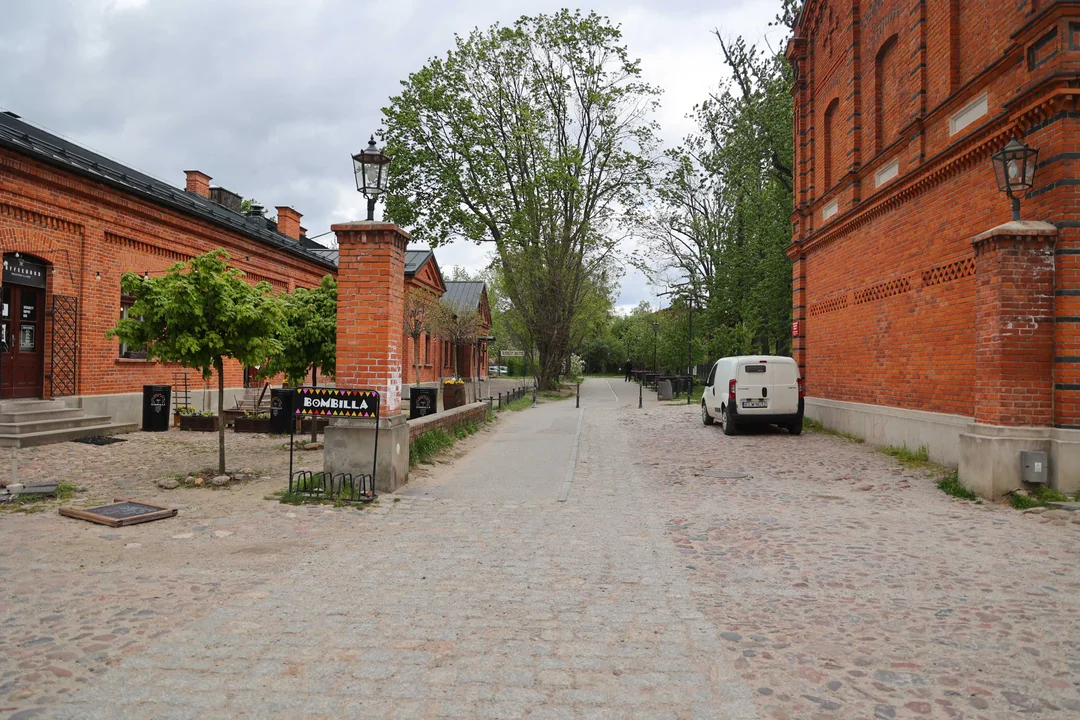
[886, 94]
[830, 154]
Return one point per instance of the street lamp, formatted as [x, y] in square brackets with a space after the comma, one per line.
[655, 331]
[371, 167]
[1014, 167]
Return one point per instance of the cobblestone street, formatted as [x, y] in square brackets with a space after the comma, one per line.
[687, 575]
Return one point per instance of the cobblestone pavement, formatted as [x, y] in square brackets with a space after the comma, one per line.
[688, 575]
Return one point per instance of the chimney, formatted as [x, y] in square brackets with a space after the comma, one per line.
[198, 183]
[288, 221]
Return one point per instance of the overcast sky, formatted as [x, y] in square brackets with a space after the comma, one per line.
[271, 97]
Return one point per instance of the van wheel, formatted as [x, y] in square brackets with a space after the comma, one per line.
[706, 418]
[726, 422]
[795, 428]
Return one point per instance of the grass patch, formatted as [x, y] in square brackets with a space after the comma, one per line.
[695, 397]
[519, 404]
[811, 425]
[1041, 496]
[425, 446]
[951, 485]
[30, 504]
[907, 457]
[294, 498]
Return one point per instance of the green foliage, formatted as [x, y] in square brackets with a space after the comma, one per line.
[811, 425]
[534, 137]
[425, 446]
[907, 456]
[951, 485]
[308, 335]
[200, 313]
[1041, 496]
[35, 503]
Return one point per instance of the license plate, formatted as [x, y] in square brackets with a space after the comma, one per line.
[755, 403]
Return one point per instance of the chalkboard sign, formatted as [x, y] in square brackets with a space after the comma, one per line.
[122, 512]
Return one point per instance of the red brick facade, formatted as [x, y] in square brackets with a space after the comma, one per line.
[89, 233]
[898, 106]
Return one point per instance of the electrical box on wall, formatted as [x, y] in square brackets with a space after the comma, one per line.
[1033, 466]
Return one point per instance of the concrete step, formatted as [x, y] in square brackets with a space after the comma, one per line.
[62, 435]
[36, 415]
[29, 428]
[9, 406]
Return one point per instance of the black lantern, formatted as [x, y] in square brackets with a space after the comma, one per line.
[371, 167]
[1014, 167]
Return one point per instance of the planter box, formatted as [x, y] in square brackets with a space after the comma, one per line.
[251, 425]
[453, 396]
[198, 423]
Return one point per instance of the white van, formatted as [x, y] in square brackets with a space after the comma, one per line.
[754, 389]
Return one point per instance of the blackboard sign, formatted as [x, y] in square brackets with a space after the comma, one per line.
[336, 402]
[422, 402]
[122, 512]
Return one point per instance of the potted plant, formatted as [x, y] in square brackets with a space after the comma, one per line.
[195, 421]
[453, 393]
[179, 412]
[252, 422]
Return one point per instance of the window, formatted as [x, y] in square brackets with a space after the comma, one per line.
[712, 376]
[132, 353]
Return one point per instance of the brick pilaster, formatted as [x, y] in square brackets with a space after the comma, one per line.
[1014, 324]
[371, 292]
[798, 312]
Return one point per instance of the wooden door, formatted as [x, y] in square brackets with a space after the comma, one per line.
[22, 330]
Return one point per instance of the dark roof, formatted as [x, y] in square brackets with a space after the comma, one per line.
[415, 259]
[20, 136]
[463, 294]
[328, 254]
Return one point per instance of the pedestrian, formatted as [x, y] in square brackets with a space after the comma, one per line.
[629, 370]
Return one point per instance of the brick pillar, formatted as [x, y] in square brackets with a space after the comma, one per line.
[198, 183]
[1014, 320]
[370, 348]
[288, 221]
[371, 296]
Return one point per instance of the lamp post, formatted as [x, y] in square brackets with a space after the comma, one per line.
[1014, 168]
[372, 168]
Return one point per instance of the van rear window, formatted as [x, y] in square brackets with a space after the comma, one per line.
[754, 368]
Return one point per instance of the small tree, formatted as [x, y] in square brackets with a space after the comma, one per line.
[308, 335]
[460, 326]
[421, 315]
[200, 313]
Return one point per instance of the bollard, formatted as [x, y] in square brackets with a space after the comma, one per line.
[500, 401]
[534, 393]
[639, 396]
[577, 401]
[689, 390]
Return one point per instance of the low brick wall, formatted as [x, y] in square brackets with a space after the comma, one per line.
[449, 420]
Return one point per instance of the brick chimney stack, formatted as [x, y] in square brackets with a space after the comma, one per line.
[198, 183]
[288, 221]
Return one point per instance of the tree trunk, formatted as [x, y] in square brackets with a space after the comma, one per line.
[416, 360]
[221, 415]
[551, 358]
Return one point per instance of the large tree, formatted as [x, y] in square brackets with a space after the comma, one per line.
[308, 335]
[537, 138]
[421, 315]
[199, 314]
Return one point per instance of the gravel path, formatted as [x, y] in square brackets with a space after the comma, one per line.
[688, 574]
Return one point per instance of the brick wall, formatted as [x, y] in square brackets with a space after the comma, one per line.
[885, 289]
[84, 228]
[449, 420]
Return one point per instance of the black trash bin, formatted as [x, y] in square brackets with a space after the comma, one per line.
[281, 409]
[155, 407]
[423, 402]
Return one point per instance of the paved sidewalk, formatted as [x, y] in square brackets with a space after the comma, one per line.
[687, 575]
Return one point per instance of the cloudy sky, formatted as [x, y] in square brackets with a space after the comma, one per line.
[271, 97]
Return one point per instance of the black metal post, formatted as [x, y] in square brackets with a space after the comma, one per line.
[639, 386]
[1015, 207]
[577, 401]
[500, 401]
[534, 393]
[655, 333]
[371, 209]
[292, 445]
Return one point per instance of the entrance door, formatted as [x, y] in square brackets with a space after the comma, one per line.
[22, 354]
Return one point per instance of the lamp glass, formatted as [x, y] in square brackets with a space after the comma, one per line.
[371, 170]
[1014, 167]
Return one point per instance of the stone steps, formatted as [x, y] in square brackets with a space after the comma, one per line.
[27, 423]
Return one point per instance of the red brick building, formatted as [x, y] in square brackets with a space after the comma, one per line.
[72, 222]
[923, 316]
